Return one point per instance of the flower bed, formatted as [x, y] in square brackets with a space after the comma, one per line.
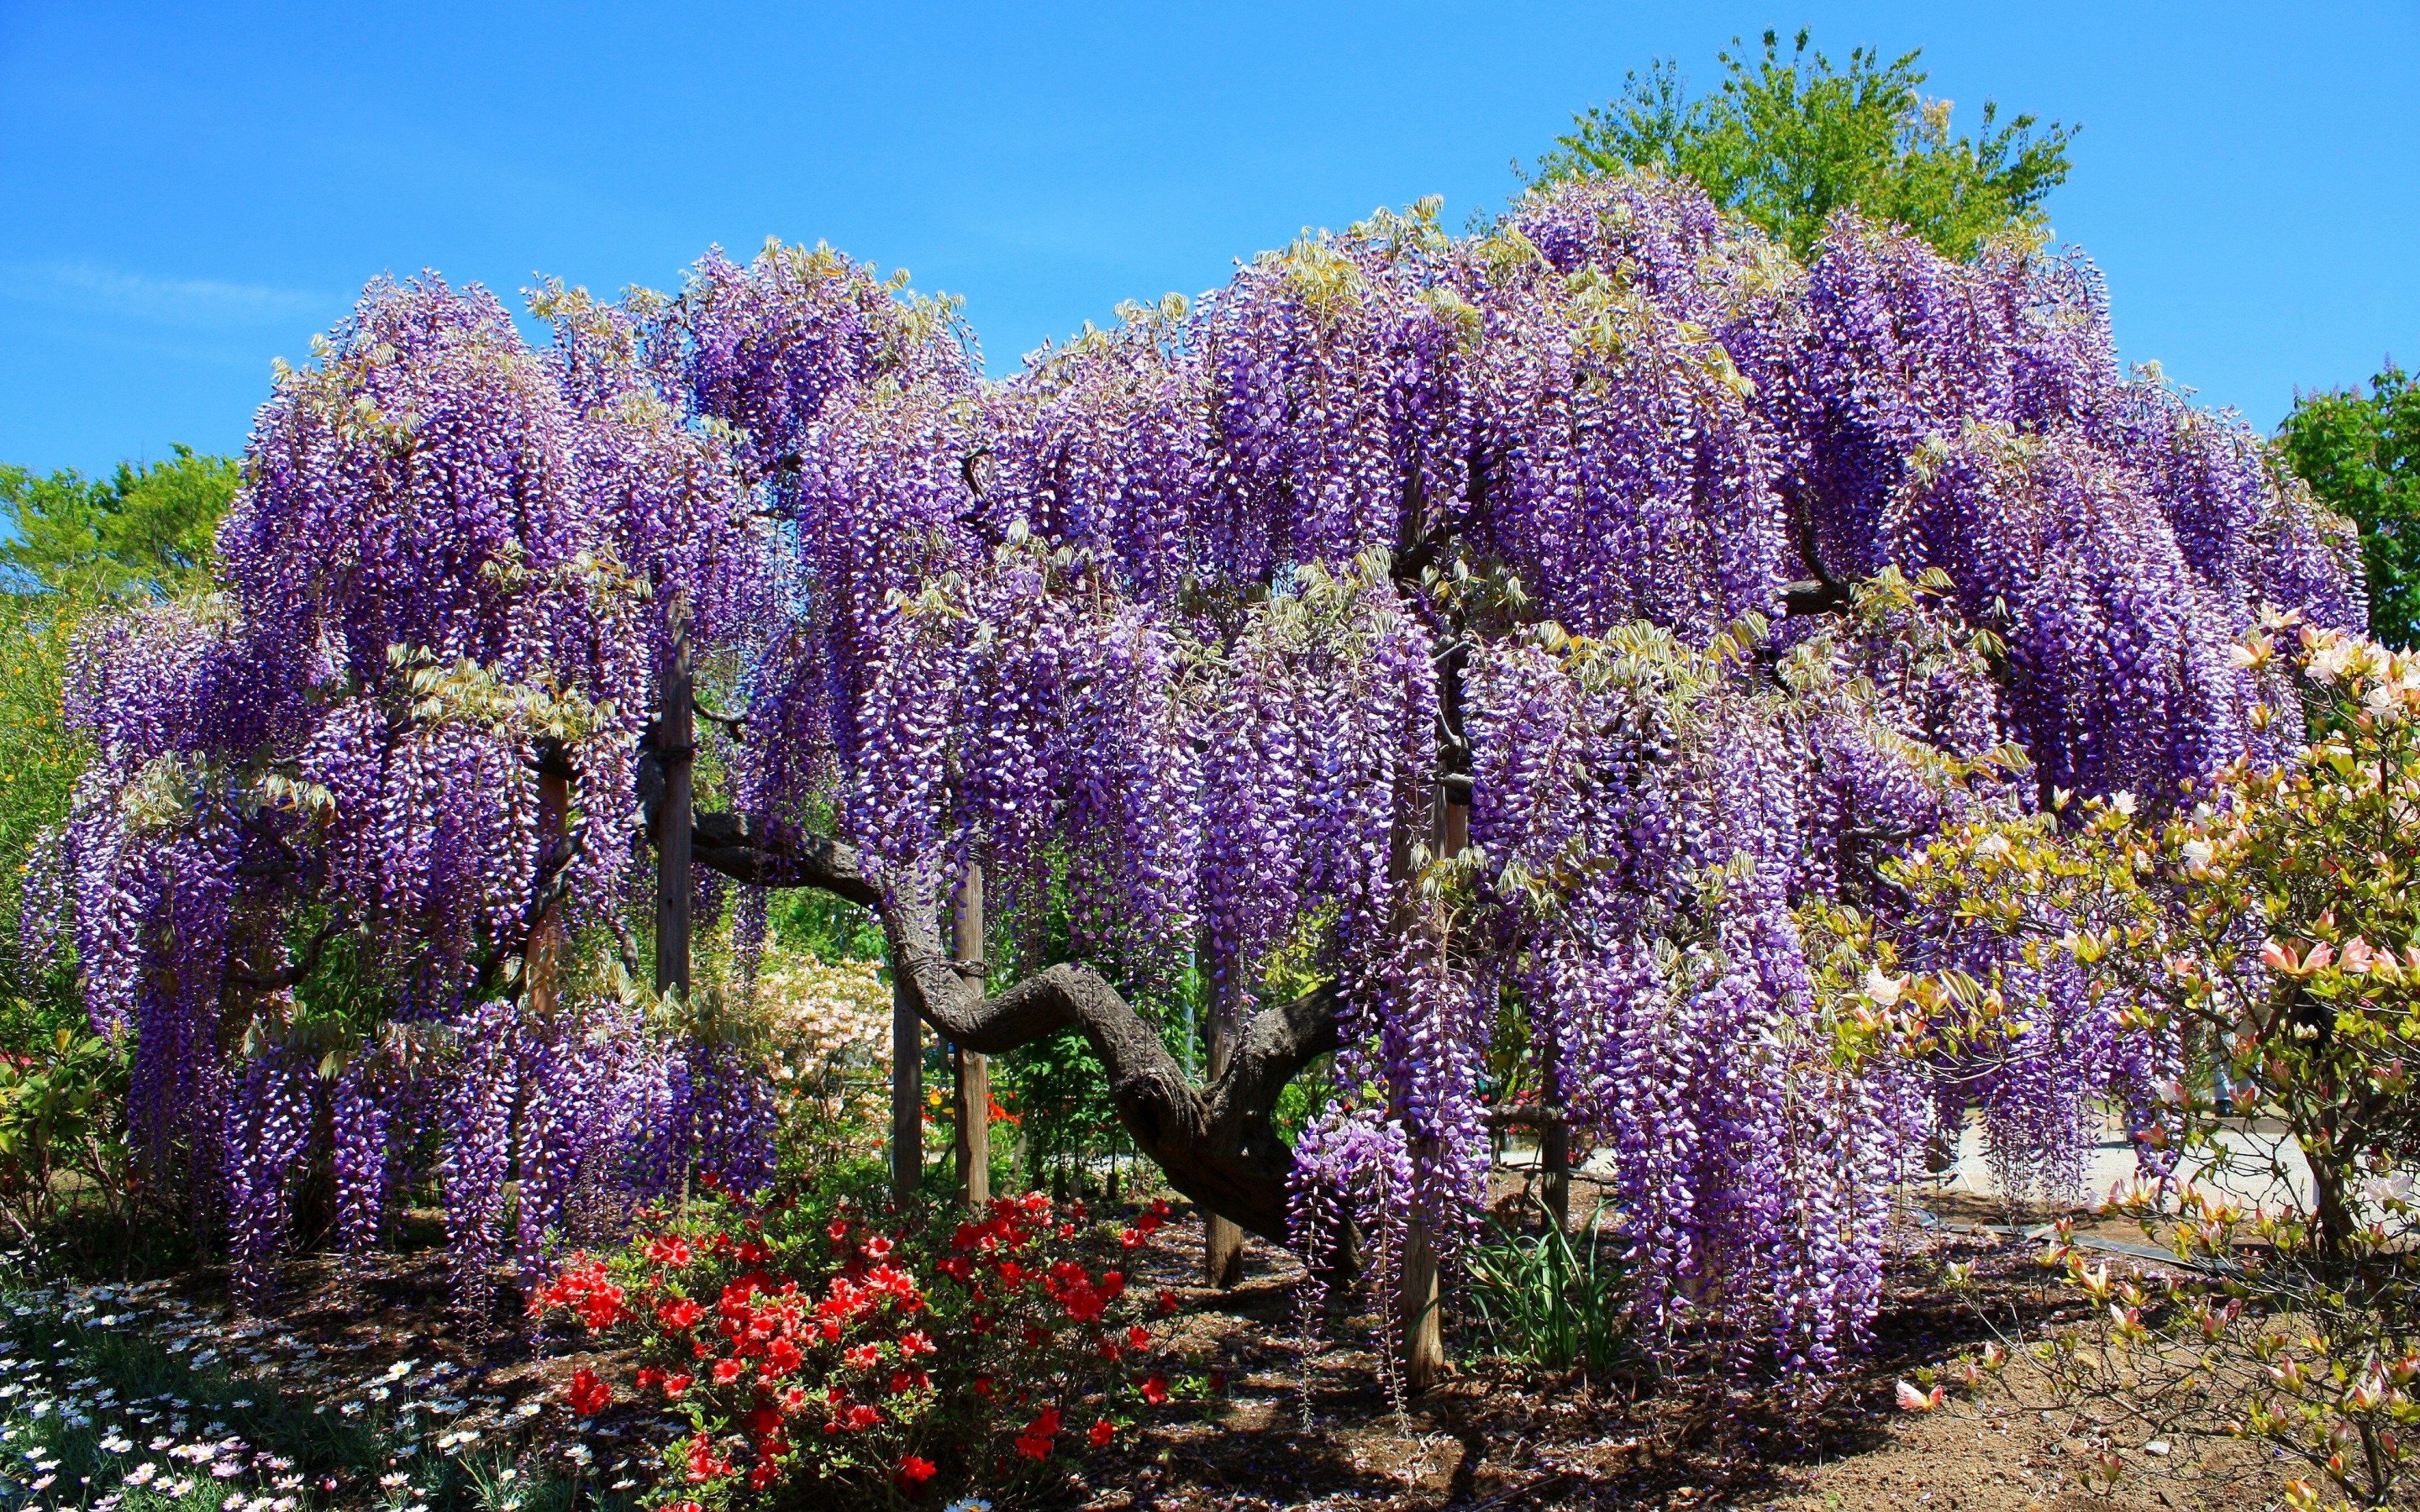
[874, 1357]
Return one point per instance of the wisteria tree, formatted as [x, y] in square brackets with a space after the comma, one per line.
[1547, 634]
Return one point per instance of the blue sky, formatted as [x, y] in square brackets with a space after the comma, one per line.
[192, 191]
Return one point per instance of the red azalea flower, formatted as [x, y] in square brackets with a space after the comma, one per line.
[1035, 1443]
[914, 1342]
[877, 1248]
[589, 1396]
[1138, 1337]
[703, 1464]
[1102, 1433]
[726, 1371]
[916, 1472]
[837, 1230]
[863, 1357]
[1154, 1388]
[1166, 1300]
[676, 1385]
[650, 1376]
[678, 1313]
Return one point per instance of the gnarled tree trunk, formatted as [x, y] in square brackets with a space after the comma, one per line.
[1214, 1143]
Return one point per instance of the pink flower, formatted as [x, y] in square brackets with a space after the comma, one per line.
[1913, 1400]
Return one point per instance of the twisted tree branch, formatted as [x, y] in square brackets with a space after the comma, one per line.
[1215, 1143]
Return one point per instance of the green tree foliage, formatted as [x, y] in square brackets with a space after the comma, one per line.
[1786, 141]
[143, 530]
[37, 779]
[2361, 455]
[74, 547]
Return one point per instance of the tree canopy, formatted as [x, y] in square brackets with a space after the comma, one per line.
[1786, 142]
[2361, 455]
[76, 545]
[147, 529]
[1564, 622]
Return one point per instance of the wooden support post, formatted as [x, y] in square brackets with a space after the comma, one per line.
[906, 1093]
[1222, 1241]
[1554, 1145]
[1555, 1160]
[675, 739]
[542, 959]
[1423, 1312]
[974, 1152]
[1423, 1321]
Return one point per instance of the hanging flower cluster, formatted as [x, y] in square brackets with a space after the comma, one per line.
[318, 834]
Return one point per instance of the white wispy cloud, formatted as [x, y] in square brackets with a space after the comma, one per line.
[98, 289]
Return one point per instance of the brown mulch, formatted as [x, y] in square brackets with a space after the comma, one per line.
[1492, 1438]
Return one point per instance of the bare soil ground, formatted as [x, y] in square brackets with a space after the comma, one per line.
[1498, 1438]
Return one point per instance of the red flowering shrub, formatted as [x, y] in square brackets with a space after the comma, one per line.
[918, 1358]
[589, 1396]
